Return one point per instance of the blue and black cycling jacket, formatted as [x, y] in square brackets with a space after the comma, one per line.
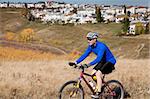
[102, 51]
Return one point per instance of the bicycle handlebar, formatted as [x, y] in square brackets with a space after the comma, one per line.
[76, 66]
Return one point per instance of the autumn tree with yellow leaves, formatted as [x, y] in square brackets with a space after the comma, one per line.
[27, 35]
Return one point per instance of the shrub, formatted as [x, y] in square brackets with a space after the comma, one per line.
[27, 35]
[139, 28]
[10, 36]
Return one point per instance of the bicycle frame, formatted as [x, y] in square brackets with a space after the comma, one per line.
[84, 79]
[87, 83]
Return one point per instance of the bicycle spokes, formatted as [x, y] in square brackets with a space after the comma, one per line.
[71, 90]
[73, 93]
[112, 90]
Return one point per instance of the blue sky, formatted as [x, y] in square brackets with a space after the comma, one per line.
[128, 2]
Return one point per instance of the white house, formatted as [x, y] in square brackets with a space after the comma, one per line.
[109, 17]
[38, 14]
[16, 5]
[133, 17]
[12, 5]
[106, 7]
[86, 15]
[141, 9]
[131, 9]
[111, 10]
[132, 29]
[39, 5]
[148, 10]
[3, 5]
[57, 5]
[30, 5]
[88, 11]
[66, 10]
[67, 5]
[108, 14]
[119, 11]
[119, 18]
[20, 5]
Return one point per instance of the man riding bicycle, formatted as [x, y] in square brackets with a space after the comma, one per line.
[104, 62]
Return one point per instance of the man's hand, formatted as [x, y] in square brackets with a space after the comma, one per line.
[72, 63]
[84, 66]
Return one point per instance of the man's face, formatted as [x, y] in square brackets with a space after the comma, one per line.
[91, 41]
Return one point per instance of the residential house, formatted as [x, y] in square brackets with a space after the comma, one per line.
[141, 9]
[132, 29]
[30, 5]
[105, 7]
[133, 17]
[119, 18]
[109, 17]
[16, 5]
[3, 5]
[88, 11]
[109, 14]
[20, 5]
[39, 5]
[86, 15]
[119, 11]
[57, 5]
[131, 9]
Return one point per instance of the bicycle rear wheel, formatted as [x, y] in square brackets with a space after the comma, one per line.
[112, 89]
[70, 91]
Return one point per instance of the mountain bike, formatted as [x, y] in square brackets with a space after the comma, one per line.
[73, 89]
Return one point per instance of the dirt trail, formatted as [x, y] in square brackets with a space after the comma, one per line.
[40, 47]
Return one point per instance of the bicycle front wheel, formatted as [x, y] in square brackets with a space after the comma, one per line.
[70, 90]
[113, 89]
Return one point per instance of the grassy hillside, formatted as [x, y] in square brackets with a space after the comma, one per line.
[71, 38]
[30, 73]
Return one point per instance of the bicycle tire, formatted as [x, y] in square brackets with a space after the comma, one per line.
[118, 90]
[80, 90]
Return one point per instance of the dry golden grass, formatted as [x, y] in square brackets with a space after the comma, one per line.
[37, 79]
[28, 74]
[9, 53]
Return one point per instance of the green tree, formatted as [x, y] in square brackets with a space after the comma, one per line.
[8, 4]
[98, 15]
[126, 22]
[126, 25]
[125, 9]
[26, 6]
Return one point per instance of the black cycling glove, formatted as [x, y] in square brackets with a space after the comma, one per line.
[85, 66]
[72, 63]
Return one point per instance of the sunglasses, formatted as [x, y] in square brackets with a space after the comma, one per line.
[89, 39]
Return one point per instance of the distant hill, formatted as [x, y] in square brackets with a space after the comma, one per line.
[70, 38]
